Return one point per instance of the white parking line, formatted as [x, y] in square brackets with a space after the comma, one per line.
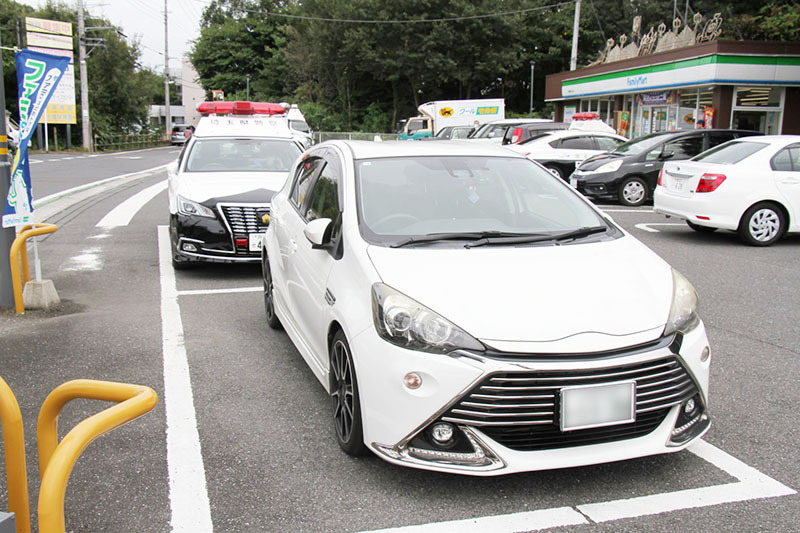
[195, 292]
[124, 212]
[751, 485]
[646, 227]
[188, 496]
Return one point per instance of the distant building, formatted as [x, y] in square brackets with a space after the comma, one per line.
[191, 92]
[750, 85]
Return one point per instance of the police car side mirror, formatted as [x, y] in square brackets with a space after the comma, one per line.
[318, 232]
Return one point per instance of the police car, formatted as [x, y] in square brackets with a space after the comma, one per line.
[221, 185]
[562, 151]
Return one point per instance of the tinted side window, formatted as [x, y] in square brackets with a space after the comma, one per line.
[302, 181]
[324, 196]
[577, 143]
[684, 148]
[787, 160]
[718, 137]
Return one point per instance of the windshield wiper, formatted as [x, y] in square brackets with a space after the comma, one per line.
[468, 236]
[532, 238]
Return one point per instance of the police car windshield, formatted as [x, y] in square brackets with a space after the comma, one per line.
[241, 155]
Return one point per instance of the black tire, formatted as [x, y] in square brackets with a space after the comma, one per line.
[700, 229]
[555, 171]
[345, 399]
[178, 262]
[633, 191]
[269, 296]
[762, 225]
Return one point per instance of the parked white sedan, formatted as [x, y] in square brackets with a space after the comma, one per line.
[438, 292]
[750, 185]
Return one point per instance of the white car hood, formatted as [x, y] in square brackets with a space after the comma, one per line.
[202, 186]
[571, 299]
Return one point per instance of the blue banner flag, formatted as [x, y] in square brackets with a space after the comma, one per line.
[38, 75]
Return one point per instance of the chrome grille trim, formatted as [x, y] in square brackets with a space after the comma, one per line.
[660, 384]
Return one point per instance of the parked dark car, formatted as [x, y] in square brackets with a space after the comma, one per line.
[523, 132]
[630, 173]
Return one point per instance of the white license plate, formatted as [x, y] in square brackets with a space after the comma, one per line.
[255, 241]
[590, 406]
[677, 185]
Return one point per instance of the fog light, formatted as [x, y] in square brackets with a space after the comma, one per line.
[705, 355]
[689, 407]
[412, 380]
[188, 247]
[442, 433]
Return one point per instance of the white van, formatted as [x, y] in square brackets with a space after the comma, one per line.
[297, 123]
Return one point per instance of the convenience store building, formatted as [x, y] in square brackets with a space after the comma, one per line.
[752, 85]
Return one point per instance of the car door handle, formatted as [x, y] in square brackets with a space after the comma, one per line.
[790, 181]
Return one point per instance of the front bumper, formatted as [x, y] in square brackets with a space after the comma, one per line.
[234, 235]
[596, 184]
[505, 436]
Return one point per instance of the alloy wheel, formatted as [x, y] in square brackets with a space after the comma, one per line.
[342, 394]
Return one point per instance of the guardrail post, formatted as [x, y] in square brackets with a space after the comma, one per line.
[14, 446]
[56, 460]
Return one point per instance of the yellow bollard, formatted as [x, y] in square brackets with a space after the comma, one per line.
[19, 256]
[14, 443]
[56, 460]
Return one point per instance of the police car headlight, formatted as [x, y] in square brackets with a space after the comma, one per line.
[188, 207]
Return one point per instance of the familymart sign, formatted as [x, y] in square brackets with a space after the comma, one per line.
[716, 68]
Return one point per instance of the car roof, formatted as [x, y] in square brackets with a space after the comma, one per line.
[243, 126]
[388, 149]
[514, 121]
[581, 133]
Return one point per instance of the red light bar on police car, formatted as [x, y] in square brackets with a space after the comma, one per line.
[586, 115]
[240, 108]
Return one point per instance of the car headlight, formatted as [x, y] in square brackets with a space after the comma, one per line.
[188, 207]
[611, 166]
[683, 310]
[407, 323]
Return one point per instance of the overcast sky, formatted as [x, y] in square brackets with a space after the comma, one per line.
[144, 20]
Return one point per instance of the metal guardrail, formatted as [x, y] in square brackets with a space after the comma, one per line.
[321, 136]
[18, 255]
[103, 143]
[56, 460]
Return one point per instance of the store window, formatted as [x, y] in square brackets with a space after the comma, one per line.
[758, 109]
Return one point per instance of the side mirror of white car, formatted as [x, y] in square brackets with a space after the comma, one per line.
[172, 168]
[318, 232]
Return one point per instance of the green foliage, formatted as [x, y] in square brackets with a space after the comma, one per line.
[778, 21]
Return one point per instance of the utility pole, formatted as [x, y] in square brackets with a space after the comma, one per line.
[533, 64]
[85, 126]
[248, 88]
[168, 118]
[7, 235]
[573, 61]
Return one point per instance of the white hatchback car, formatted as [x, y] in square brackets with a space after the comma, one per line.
[438, 292]
[750, 185]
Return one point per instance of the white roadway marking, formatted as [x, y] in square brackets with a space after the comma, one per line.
[87, 260]
[750, 485]
[646, 227]
[124, 212]
[219, 291]
[188, 496]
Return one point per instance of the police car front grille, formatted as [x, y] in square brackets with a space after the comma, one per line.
[245, 219]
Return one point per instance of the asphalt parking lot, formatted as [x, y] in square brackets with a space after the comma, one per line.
[241, 437]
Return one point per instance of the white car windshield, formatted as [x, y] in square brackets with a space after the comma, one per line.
[241, 155]
[402, 198]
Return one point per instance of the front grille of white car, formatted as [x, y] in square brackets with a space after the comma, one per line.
[521, 409]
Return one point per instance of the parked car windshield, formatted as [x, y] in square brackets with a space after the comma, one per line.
[731, 152]
[400, 198]
[642, 144]
[241, 155]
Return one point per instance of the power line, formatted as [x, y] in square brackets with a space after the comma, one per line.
[417, 21]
